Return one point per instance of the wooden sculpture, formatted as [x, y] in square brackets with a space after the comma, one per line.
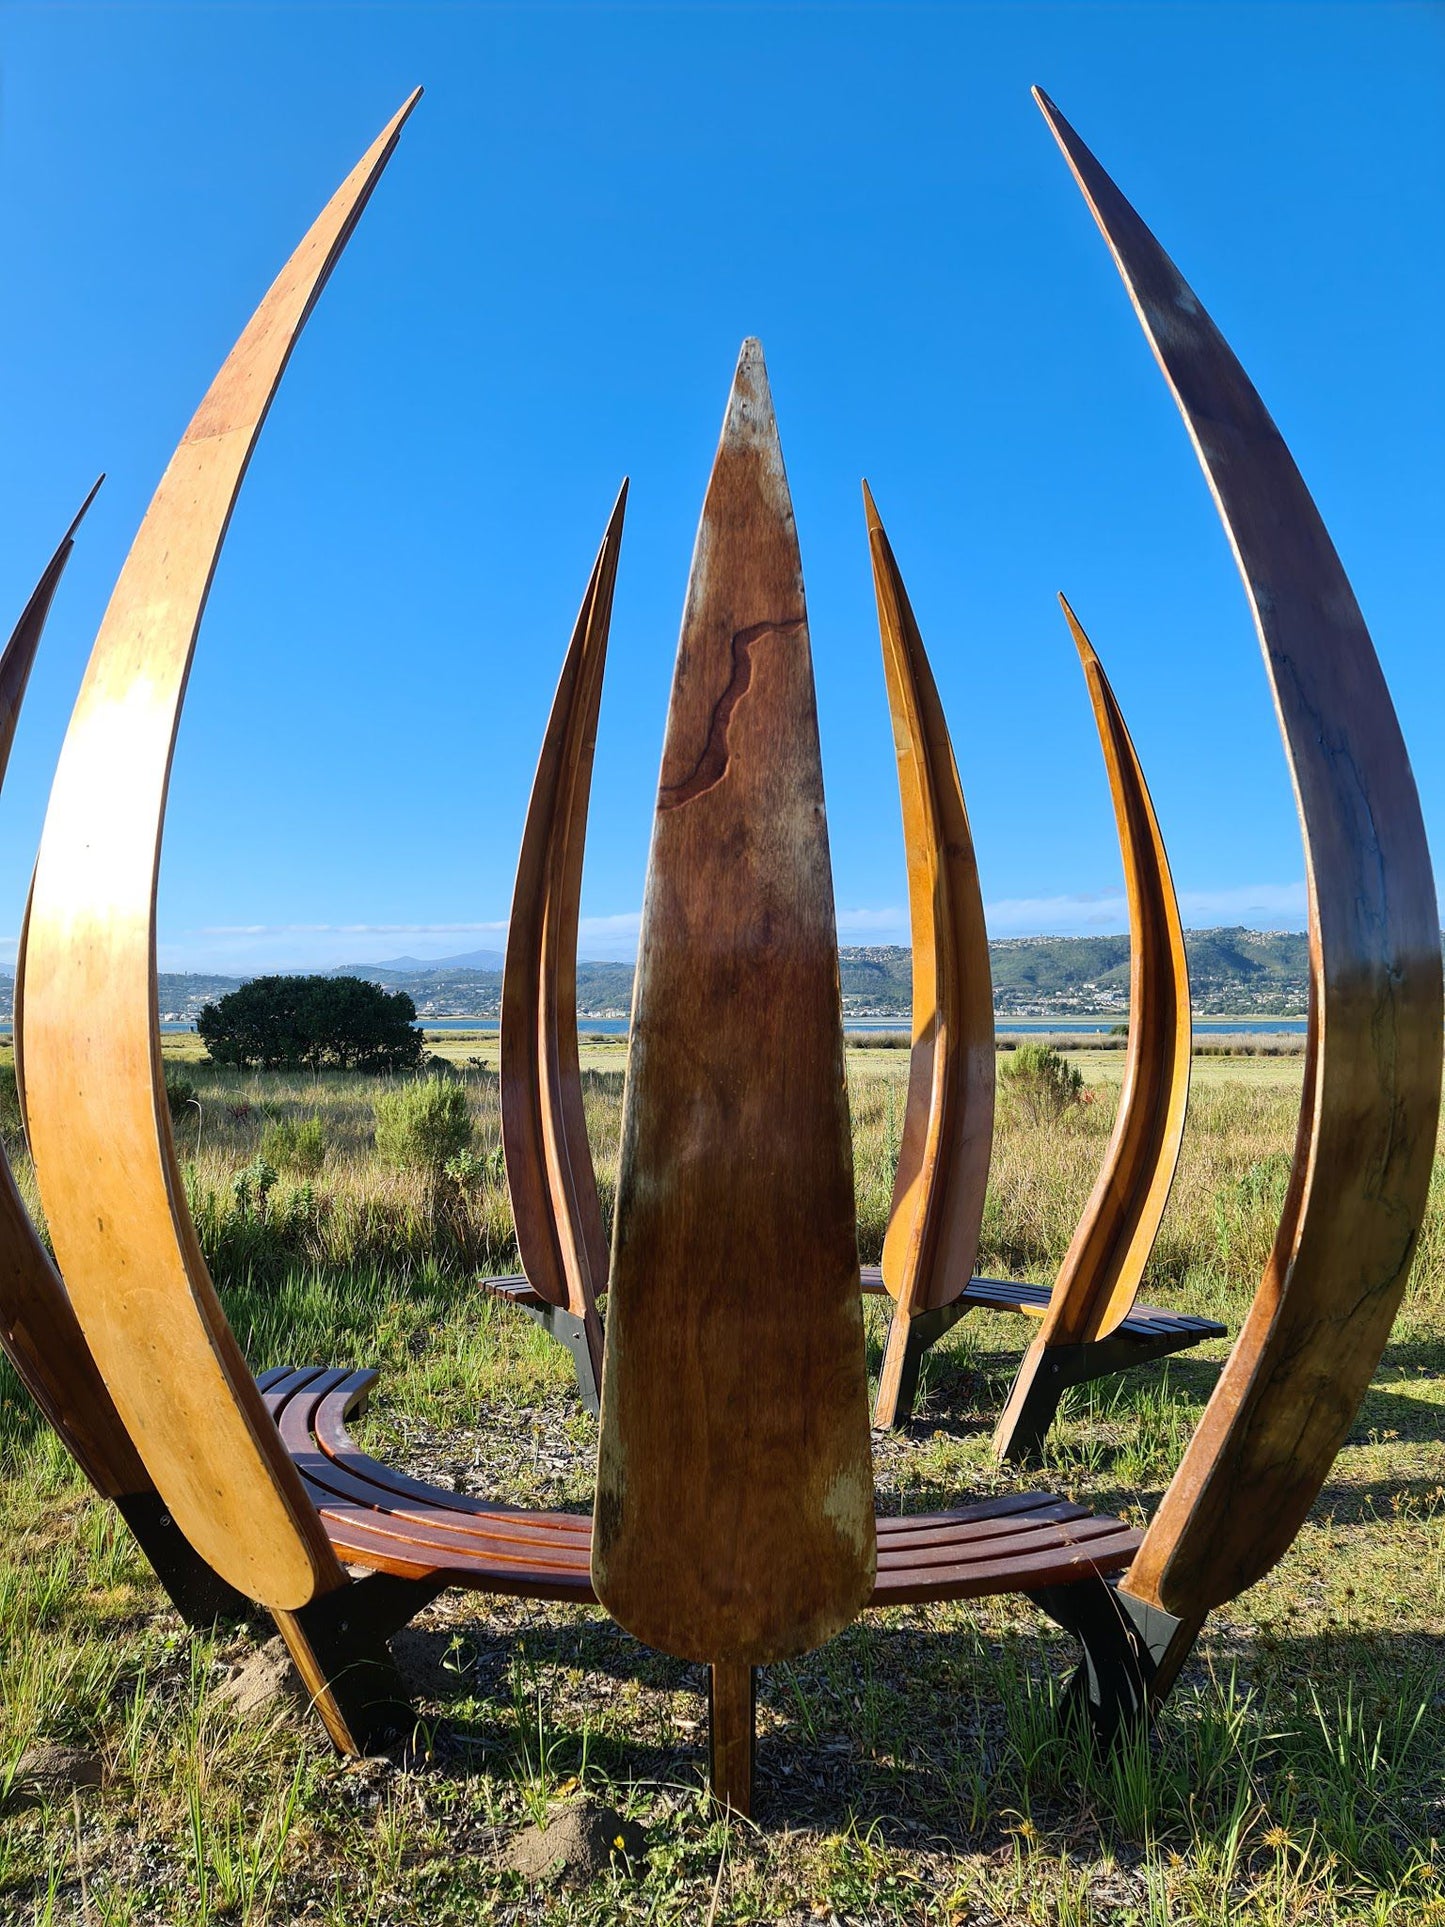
[932, 1242]
[38, 1328]
[734, 1509]
[95, 1089]
[550, 1174]
[1091, 1325]
[1299, 1370]
[733, 1522]
[937, 1212]
[1099, 1279]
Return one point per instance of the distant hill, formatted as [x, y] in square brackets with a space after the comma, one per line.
[1232, 972]
[420, 966]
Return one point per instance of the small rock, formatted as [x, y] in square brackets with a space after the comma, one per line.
[51, 1769]
[263, 1676]
[579, 1842]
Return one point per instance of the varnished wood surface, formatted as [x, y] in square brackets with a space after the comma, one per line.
[38, 1329]
[382, 1518]
[1300, 1368]
[1099, 1278]
[734, 1507]
[931, 1244]
[95, 1088]
[560, 1235]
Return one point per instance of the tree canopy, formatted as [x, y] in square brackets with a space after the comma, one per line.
[319, 1023]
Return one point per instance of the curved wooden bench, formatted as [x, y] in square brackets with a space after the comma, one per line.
[1143, 1335]
[380, 1518]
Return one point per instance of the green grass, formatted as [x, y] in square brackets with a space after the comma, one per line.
[913, 1769]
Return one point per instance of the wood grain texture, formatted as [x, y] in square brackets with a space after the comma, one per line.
[734, 1511]
[560, 1234]
[1102, 1269]
[1313, 1339]
[95, 1089]
[931, 1244]
[38, 1328]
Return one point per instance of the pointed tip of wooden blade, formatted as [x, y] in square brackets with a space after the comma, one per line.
[1087, 653]
[870, 511]
[619, 510]
[79, 517]
[750, 421]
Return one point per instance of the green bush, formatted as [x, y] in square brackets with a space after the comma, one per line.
[1040, 1083]
[423, 1124]
[295, 1144]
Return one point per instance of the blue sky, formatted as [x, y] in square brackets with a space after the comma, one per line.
[588, 211]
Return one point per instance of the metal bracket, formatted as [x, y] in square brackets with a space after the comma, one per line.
[1062, 1366]
[1132, 1654]
[569, 1330]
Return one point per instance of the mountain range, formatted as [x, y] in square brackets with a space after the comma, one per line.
[1233, 972]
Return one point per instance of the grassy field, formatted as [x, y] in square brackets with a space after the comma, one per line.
[910, 1771]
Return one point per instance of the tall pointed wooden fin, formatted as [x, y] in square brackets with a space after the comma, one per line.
[1300, 1368]
[1099, 1278]
[734, 1513]
[550, 1174]
[933, 1228]
[38, 1329]
[95, 1089]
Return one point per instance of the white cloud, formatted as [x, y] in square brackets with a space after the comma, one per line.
[1269, 906]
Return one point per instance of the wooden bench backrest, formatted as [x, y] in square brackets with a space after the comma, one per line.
[95, 1088]
[1320, 1321]
[734, 1514]
[560, 1236]
[1099, 1278]
[931, 1246]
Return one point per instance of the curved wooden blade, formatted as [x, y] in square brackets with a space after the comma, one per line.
[931, 1244]
[734, 1512]
[1099, 1278]
[38, 1328]
[1297, 1375]
[95, 1088]
[550, 1175]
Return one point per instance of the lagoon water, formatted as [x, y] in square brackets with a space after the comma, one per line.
[1017, 1027]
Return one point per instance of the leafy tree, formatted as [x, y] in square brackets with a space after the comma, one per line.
[340, 1023]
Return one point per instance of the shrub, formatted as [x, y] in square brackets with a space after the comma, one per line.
[422, 1124]
[253, 1186]
[1041, 1083]
[293, 1144]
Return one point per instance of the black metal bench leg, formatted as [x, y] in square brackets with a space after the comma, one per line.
[583, 1338]
[1047, 1372]
[1132, 1655]
[199, 1594]
[732, 1707]
[338, 1644]
[908, 1339]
